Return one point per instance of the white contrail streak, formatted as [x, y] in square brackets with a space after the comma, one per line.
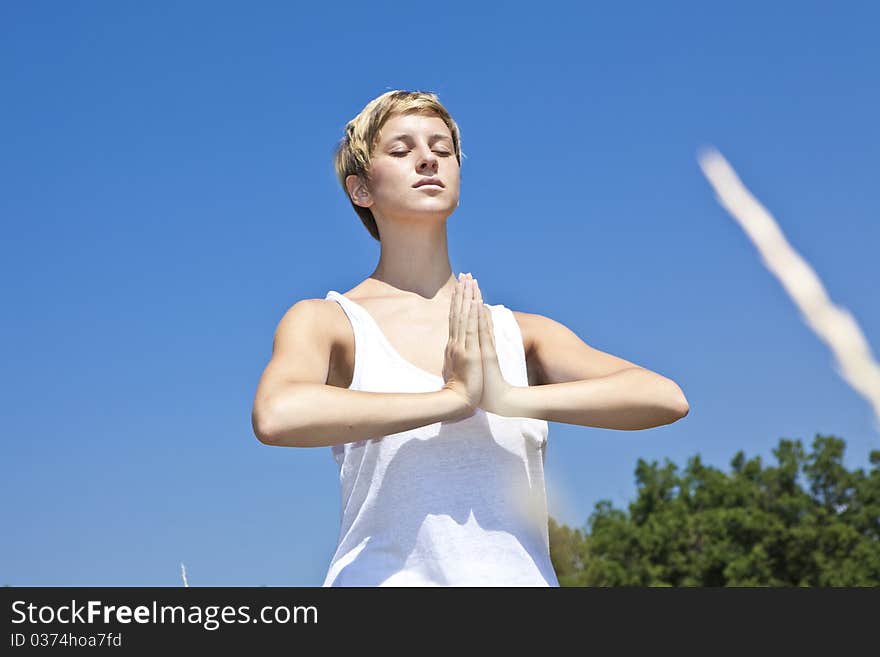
[854, 361]
[183, 572]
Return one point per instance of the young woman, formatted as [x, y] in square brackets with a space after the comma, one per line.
[434, 403]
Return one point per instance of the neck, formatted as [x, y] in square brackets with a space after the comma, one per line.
[415, 259]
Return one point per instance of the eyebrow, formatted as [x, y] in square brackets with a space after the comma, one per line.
[408, 138]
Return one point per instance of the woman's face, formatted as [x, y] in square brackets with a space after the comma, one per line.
[411, 149]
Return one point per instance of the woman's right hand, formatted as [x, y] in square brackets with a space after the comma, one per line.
[463, 369]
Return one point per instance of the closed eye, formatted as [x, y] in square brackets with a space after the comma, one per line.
[405, 152]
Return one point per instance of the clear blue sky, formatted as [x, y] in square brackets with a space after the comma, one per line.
[168, 193]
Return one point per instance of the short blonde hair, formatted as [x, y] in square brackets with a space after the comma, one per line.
[354, 151]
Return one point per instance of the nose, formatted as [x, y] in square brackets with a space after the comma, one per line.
[427, 160]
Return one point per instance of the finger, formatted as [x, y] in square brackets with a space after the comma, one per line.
[491, 327]
[467, 298]
[459, 308]
[453, 312]
[473, 337]
[482, 326]
[478, 307]
[487, 344]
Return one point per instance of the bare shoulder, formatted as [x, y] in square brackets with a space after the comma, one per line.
[316, 326]
[319, 316]
[301, 353]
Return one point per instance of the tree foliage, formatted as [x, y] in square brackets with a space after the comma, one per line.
[805, 521]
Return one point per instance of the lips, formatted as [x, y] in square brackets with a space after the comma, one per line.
[429, 181]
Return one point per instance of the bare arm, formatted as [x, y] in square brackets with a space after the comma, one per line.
[295, 407]
[630, 399]
[317, 415]
[579, 384]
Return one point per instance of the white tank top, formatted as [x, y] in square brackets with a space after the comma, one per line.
[449, 503]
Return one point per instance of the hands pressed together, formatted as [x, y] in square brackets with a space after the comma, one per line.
[471, 363]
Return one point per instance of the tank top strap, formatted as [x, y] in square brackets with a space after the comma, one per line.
[351, 309]
[360, 326]
[512, 360]
[512, 351]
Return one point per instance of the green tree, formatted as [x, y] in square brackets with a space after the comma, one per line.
[804, 521]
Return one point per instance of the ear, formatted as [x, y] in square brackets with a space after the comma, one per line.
[357, 191]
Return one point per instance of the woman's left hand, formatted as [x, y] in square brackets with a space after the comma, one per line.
[495, 388]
